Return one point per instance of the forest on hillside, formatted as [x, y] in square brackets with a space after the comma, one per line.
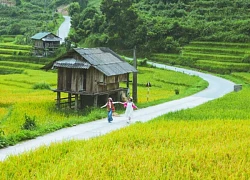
[150, 25]
[160, 25]
[28, 17]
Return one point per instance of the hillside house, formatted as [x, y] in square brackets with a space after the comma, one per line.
[45, 43]
[89, 76]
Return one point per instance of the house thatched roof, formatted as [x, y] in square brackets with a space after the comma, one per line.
[102, 59]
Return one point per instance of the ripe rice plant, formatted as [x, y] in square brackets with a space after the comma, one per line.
[210, 141]
[25, 93]
[172, 149]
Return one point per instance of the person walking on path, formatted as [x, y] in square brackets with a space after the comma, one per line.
[130, 106]
[110, 108]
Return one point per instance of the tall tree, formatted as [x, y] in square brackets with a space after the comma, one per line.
[121, 19]
[74, 8]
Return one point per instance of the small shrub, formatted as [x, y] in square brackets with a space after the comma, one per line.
[30, 123]
[3, 140]
[143, 62]
[177, 91]
[41, 86]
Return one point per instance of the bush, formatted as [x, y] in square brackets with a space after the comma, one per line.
[3, 140]
[41, 86]
[29, 124]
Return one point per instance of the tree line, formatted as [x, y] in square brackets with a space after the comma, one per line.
[29, 17]
[150, 25]
[159, 25]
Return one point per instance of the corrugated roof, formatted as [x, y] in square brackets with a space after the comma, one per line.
[40, 35]
[102, 59]
[43, 35]
[71, 63]
[51, 39]
[105, 61]
[115, 68]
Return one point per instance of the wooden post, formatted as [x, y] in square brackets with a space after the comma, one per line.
[76, 102]
[135, 78]
[148, 85]
[128, 90]
[95, 100]
[58, 100]
[69, 100]
[128, 80]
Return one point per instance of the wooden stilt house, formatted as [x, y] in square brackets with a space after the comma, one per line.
[45, 43]
[89, 76]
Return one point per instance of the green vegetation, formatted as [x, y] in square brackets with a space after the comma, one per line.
[215, 57]
[26, 92]
[29, 94]
[210, 141]
[207, 142]
[157, 26]
[26, 18]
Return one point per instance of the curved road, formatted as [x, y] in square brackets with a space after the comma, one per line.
[63, 30]
[217, 88]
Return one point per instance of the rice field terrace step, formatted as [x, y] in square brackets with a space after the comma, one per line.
[20, 65]
[221, 60]
[218, 67]
[223, 63]
[15, 46]
[13, 84]
[10, 70]
[220, 44]
[237, 66]
[27, 59]
[213, 56]
[14, 51]
[221, 51]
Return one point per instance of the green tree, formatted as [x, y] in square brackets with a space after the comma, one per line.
[74, 8]
[18, 2]
[122, 20]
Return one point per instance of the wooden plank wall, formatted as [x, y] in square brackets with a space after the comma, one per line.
[95, 80]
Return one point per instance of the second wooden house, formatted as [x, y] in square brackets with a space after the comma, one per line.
[45, 43]
[89, 76]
